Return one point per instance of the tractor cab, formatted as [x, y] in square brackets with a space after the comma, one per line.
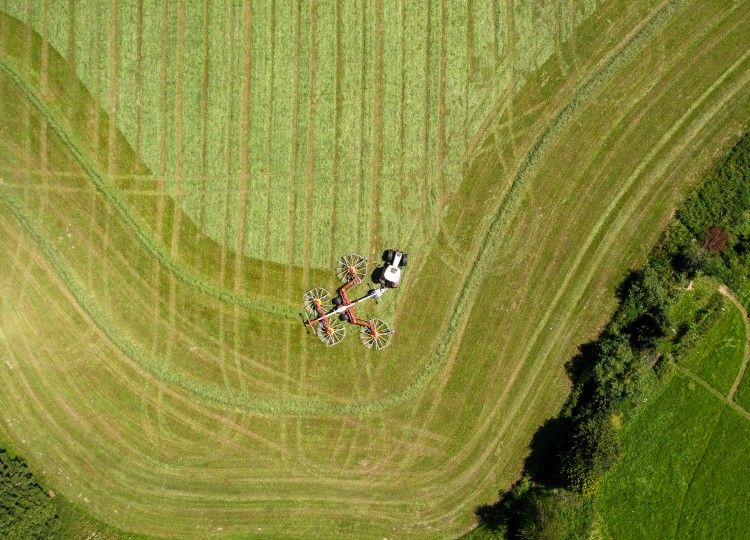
[391, 275]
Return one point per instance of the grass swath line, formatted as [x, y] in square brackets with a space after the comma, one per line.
[120, 206]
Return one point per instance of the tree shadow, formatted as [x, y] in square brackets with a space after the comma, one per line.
[546, 448]
[542, 466]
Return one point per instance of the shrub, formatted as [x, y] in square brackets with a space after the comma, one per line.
[542, 517]
[26, 512]
[594, 451]
[643, 312]
[554, 515]
[620, 374]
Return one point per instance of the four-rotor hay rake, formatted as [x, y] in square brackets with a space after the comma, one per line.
[318, 302]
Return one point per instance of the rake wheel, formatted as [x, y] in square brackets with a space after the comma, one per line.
[317, 297]
[332, 334]
[379, 337]
[351, 266]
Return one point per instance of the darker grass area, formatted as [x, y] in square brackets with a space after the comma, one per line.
[684, 470]
[663, 446]
[742, 397]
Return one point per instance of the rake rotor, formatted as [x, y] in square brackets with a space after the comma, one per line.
[377, 334]
[316, 299]
[330, 312]
[332, 333]
[351, 267]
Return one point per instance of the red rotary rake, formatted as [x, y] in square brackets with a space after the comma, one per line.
[374, 333]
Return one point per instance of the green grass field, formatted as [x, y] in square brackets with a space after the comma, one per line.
[684, 466]
[717, 356]
[173, 177]
[683, 471]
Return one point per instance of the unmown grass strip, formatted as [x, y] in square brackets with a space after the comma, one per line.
[349, 141]
[245, 139]
[392, 194]
[323, 125]
[366, 123]
[119, 205]
[280, 204]
[268, 188]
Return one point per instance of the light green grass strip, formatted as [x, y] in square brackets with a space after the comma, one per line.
[110, 194]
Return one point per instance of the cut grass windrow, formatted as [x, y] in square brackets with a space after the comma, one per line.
[479, 268]
[111, 195]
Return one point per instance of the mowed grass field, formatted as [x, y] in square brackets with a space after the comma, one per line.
[174, 177]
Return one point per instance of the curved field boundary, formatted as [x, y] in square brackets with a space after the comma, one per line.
[136, 353]
[491, 240]
[156, 250]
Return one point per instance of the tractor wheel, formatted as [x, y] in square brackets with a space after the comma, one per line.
[388, 255]
[344, 317]
[403, 260]
[337, 301]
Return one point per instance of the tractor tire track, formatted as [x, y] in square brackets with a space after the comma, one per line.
[723, 289]
[429, 369]
[563, 287]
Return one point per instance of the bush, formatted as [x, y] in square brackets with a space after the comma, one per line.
[542, 517]
[620, 374]
[26, 511]
[554, 515]
[643, 314]
[594, 451]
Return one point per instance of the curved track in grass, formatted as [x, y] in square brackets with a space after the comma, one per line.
[173, 410]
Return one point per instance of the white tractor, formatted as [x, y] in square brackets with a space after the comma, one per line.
[391, 275]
